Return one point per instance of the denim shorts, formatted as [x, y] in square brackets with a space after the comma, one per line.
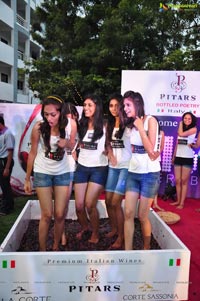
[146, 184]
[96, 175]
[71, 176]
[116, 180]
[45, 180]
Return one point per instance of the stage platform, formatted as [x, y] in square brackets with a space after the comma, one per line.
[93, 275]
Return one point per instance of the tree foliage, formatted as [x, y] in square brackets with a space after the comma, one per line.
[86, 44]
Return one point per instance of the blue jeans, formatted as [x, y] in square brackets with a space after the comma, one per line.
[45, 180]
[146, 184]
[116, 180]
[96, 175]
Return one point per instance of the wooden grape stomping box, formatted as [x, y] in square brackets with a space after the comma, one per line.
[93, 275]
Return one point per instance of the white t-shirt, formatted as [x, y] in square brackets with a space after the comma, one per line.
[49, 166]
[92, 153]
[140, 161]
[183, 150]
[121, 148]
[7, 141]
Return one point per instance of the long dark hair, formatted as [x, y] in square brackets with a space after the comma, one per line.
[45, 128]
[193, 123]
[70, 108]
[111, 119]
[138, 103]
[97, 120]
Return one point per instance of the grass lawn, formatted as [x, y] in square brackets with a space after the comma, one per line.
[7, 221]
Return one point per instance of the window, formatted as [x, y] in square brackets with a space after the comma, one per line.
[20, 55]
[20, 85]
[4, 41]
[4, 78]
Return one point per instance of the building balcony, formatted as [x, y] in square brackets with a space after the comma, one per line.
[6, 14]
[22, 96]
[6, 54]
[6, 92]
[21, 21]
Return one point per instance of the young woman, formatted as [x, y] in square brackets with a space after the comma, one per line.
[183, 156]
[73, 116]
[48, 160]
[119, 154]
[144, 168]
[92, 167]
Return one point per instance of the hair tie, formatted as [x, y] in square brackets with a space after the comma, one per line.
[56, 98]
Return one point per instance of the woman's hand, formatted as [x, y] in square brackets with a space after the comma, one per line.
[112, 159]
[154, 155]
[27, 186]
[62, 143]
[138, 123]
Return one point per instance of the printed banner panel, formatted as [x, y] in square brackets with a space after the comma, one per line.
[20, 119]
[103, 276]
[165, 93]
[168, 95]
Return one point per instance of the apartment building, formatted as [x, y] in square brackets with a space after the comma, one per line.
[16, 47]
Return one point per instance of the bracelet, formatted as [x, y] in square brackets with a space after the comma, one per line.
[27, 180]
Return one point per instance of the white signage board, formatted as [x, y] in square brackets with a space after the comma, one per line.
[94, 275]
[165, 93]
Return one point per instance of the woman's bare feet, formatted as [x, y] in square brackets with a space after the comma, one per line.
[63, 240]
[55, 248]
[158, 207]
[94, 239]
[111, 234]
[80, 234]
[118, 244]
[180, 206]
[175, 203]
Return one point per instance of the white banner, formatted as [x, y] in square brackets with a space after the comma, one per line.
[165, 93]
[168, 95]
[103, 276]
[93, 275]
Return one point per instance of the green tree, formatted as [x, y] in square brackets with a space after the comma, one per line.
[86, 44]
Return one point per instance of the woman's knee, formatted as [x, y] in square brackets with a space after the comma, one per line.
[80, 205]
[46, 217]
[91, 208]
[143, 217]
[128, 214]
[178, 181]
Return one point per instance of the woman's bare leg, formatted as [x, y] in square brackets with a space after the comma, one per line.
[111, 215]
[44, 195]
[92, 195]
[60, 205]
[130, 205]
[80, 191]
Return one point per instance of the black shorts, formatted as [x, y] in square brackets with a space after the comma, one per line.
[187, 162]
